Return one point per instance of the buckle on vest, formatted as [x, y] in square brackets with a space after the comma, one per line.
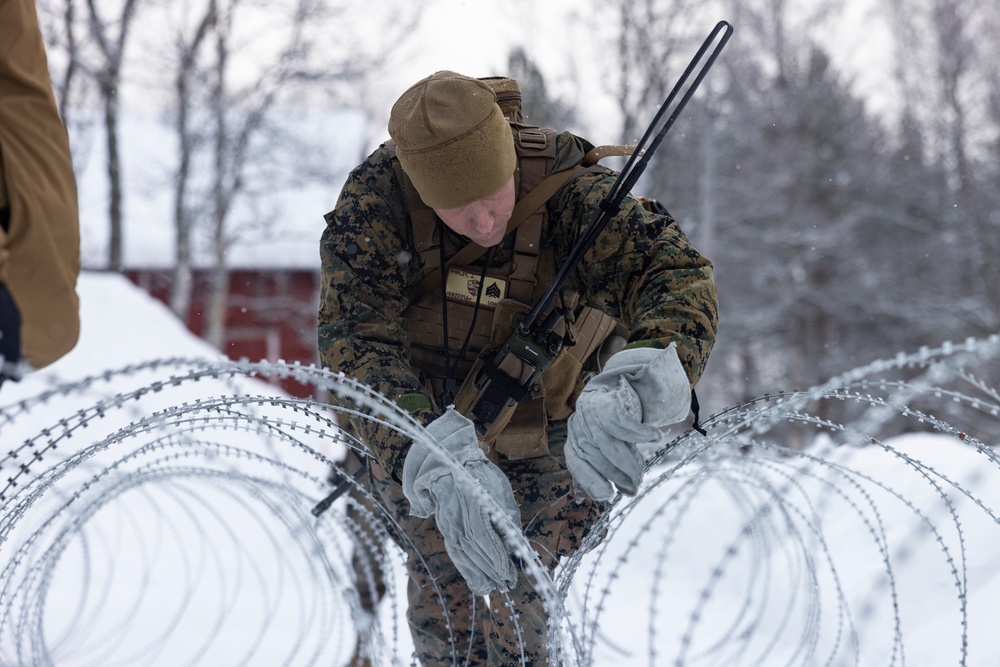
[532, 139]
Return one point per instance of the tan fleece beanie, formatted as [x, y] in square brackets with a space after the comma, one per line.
[452, 139]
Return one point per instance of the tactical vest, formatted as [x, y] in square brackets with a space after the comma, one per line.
[508, 293]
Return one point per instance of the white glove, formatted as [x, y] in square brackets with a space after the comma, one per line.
[462, 508]
[639, 391]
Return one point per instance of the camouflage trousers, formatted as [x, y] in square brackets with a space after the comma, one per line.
[449, 625]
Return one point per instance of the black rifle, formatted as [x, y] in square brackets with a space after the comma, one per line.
[339, 490]
[506, 377]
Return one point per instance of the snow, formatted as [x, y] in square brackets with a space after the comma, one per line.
[172, 557]
[184, 536]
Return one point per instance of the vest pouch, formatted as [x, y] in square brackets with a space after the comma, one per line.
[562, 382]
[528, 439]
[467, 396]
[526, 435]
[506, 317]
[564, 379]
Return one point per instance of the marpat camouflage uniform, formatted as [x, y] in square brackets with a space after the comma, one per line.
[642, 271]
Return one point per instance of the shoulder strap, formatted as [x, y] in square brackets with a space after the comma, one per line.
[423, 221]
[598, 153]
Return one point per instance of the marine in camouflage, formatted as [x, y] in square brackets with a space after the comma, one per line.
[642, 271]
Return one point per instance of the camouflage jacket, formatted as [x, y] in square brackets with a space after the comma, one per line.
[642, 271]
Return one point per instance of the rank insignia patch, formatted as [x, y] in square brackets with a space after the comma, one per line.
[463, 287]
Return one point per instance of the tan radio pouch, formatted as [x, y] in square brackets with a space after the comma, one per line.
[521, 429]
[506, 317]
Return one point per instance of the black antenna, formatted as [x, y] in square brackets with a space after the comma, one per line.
[636, 164]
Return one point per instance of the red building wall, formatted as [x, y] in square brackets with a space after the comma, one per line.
[271, 314]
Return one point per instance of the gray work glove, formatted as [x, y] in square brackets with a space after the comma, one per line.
[467, 513]
[639, 391]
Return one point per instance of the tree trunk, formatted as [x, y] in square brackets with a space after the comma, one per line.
[215, 331]
[182, 284]
[109, 91]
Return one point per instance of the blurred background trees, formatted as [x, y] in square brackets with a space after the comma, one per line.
[840, 235]
[227, 79]
[843, 228]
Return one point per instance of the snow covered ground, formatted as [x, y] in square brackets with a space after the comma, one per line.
[155, 511]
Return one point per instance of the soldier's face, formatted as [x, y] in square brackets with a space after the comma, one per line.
[483, 221]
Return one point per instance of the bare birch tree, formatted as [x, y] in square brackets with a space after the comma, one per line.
[91, 47]
[188, 49]
[231, 123]
[110, 36]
